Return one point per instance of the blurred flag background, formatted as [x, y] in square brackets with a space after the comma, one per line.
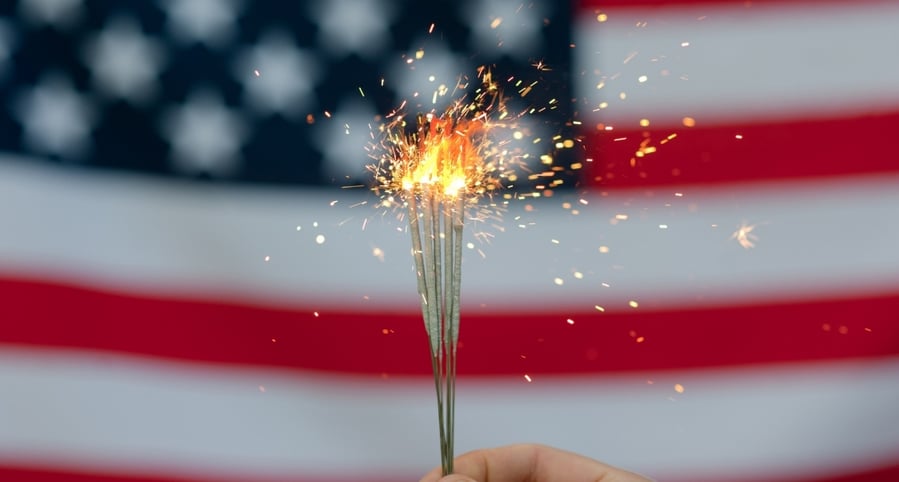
[190, 291]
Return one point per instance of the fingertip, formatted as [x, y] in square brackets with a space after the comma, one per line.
[457, 478]
[435, 476]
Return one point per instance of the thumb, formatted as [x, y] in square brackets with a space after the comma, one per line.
[457, 478]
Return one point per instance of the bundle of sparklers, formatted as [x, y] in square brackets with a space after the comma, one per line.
[438, 170]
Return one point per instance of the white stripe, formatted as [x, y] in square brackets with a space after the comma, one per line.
[767, 61]
[102, 412]
[814, 239]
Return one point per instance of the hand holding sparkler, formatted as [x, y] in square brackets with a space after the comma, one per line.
[529, 462]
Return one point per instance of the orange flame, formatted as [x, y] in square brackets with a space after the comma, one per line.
[445, 156]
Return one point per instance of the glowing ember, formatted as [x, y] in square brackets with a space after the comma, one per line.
[744, 235]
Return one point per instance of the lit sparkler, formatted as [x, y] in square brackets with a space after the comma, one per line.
[438, 170]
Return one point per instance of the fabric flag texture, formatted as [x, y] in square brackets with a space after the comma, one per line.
[189, 293]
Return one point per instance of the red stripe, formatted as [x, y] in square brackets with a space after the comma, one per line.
[36, 474]
[882, 474]
[714, 154]
[40, 474]
[384, 343]
[610, 4]
[885, 473]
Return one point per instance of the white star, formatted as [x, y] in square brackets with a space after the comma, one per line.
[353, 26]
[56, 120]
[277, 77]
[344, 137]
[204, 134]
[124, 62]
[506, 26]
[59, 13]
[428, 77]
[210, 22]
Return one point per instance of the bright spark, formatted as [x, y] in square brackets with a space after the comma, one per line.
[744, 235]
[541, 66]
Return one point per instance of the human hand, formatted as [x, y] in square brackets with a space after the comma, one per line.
[530, 463]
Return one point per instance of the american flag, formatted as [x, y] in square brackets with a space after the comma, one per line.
[188, 293]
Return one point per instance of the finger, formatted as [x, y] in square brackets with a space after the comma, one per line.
[525, 462]
[457, 478]
[551, 464]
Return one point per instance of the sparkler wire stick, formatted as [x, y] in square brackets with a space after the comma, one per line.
[435, 171]
[455, 234]
[431, 327]
[439, 312]
[414, 224]
[440, 304]
[449, 309]
[433, 299]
